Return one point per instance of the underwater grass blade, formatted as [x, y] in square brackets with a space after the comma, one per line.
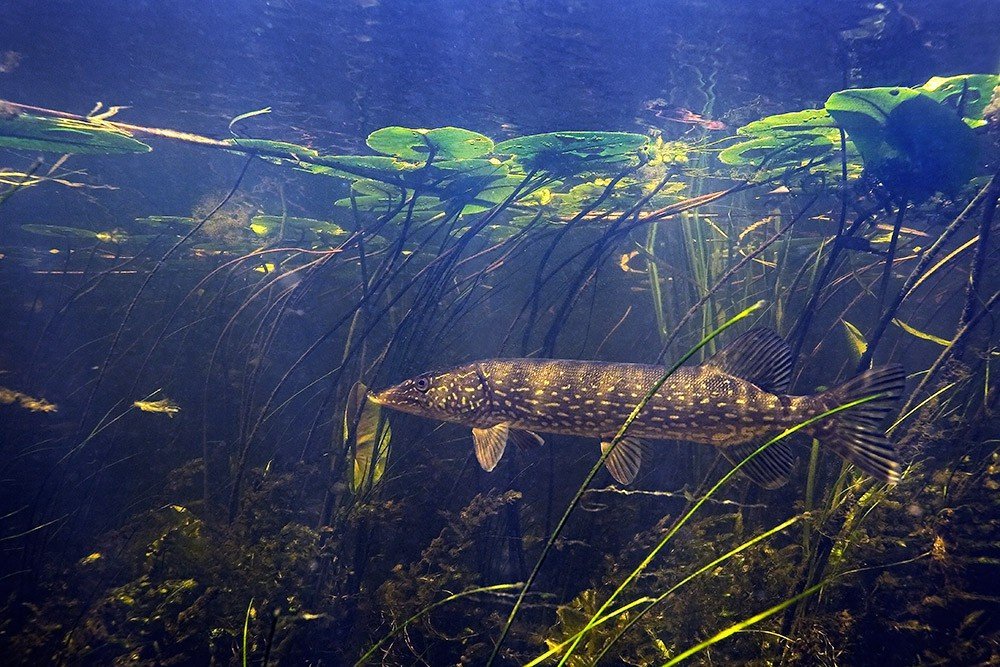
[428, 609]
[742, 625]
[701, 501]
[600, 462]
[246, 632]
[652, 602]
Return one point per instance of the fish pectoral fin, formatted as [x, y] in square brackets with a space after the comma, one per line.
[490, 443]
[760, 356]
[624, 461]
[769, 469]
[525, 439]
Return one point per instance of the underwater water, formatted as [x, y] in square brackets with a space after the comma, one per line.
[265, 266]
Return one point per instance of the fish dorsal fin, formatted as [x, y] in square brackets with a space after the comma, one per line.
[525, 439]
[624, 461]
[769, 469]
[490, 443]
[760, 356]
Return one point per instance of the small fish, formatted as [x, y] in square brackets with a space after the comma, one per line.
[662, 109]
[733, 401]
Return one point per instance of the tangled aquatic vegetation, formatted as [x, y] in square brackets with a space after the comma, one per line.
[294, 524]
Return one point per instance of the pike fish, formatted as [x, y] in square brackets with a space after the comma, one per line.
[734, 401]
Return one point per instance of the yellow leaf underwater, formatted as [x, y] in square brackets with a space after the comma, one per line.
[856, 339]
[9, 397]
[367, 433]
[164, 405]
[944, 342]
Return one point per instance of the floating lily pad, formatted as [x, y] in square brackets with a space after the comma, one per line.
[475, 185]
[275, 149]
[64, 135]
[913, 144]
[572, 152]
[61, 232]
[175, 220]
[807, 139]
[375, 167]
[443, 143]
[967, 94]
[268, 225]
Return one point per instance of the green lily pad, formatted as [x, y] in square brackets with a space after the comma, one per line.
[175, 220]
[968, 94]
[808, 120]
[64, 135]
[415, 145]
[476, 185]
[61, 232]
[572, 152]
[280, 150]
[913, 144]
[375, 199]
[268, 225]
[375, 167]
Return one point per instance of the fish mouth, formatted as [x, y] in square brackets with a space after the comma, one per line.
[379, 397]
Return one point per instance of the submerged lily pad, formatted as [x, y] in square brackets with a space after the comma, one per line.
[967, 94]
[809, 138]
[571, 152]
[62, 232]
[65, 135]
[443, 143]
[268, 225]
[374, 167]
[913, 144]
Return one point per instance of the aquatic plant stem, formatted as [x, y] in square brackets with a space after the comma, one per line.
[428, 609]
[725, 278]
[704, 568]
[704, 498]
[597, 466]
[916, 276]
[149, 277]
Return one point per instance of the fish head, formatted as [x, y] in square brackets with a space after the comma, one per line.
[454, 395]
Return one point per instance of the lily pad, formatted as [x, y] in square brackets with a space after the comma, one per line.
[913, 144]
[415, 145]
[572, 152]
[967, 94]
[275, 149]
[800, 139]
[62, 232]
[65, 135]
[268, 225]
[374, 167]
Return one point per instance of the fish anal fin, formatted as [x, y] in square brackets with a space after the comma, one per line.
[525, 439]
[770, 469]
[624, 461]
[490, 444]
[760, 356]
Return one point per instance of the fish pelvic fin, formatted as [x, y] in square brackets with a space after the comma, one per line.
[856, 434]
[769, 469]
[490, 444]
[625, 459]
[525, 440]
[760, 356]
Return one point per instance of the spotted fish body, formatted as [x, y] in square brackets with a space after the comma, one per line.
[734, 401]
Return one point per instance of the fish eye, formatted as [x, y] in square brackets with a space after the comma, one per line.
[422, 383]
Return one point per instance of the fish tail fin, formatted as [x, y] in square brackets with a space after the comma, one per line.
[856, 434]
